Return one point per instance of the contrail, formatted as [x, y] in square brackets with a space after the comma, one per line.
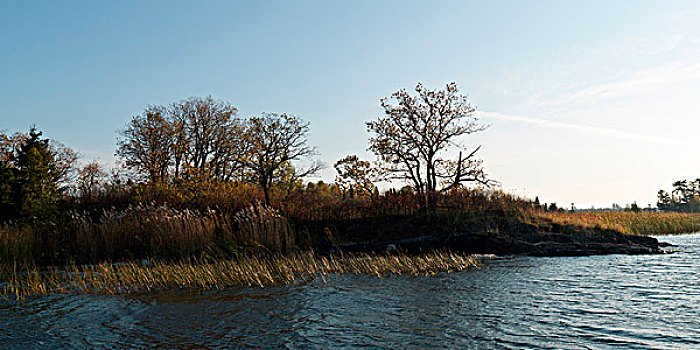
[581, 127]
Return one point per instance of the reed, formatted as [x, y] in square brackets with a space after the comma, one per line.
[641, 223]
[17, 243]
[144, 231]
[218, 274]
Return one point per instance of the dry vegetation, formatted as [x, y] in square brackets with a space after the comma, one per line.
[216, 249]
[314, 216]
[218, 274]
[642, 223]
[145, 231]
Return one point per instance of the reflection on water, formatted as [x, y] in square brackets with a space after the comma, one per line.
[640, 302]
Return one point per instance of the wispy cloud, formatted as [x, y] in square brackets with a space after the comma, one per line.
[651, 47]
[640, 82]
[614, 133]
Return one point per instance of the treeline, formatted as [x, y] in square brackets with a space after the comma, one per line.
[685, 197]
[200, 149]
[199, 159]
[203, 140]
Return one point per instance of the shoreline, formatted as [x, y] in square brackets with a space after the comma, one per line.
[424, 255]
[134, 278]
[547, 244]
[422, 243]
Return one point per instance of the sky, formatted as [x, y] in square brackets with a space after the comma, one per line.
[591, 103]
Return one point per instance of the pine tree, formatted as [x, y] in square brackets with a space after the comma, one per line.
[8, 177]
[35, 189]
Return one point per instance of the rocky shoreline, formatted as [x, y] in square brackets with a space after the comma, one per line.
[534, 244]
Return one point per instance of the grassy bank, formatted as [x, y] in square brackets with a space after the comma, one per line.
[218, 274]
[176, 233]
[642, 223]
[144, 232]
[172, 233]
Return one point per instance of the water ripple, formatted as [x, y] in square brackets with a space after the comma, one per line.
[602, 302]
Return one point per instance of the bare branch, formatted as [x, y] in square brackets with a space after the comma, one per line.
[417, 129]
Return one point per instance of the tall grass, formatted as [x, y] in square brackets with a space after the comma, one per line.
[175, 232]
[642, 223]
[320, 217]
[144, 231]
[17, 243]
[218, 274]
[312, 206]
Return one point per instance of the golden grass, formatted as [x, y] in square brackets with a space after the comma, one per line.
[144, 231]
[642, 223]
[201, 275]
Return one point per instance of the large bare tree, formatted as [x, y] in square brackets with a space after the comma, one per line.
[274, 141]
[208, 138]
[417, 133]
[196, 138]
[147, 144]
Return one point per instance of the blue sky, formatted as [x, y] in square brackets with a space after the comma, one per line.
[589, 102]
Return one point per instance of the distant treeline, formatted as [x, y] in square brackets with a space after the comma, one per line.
[685, 197]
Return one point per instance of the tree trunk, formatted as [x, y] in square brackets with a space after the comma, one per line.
[431, 185]
[266, 191]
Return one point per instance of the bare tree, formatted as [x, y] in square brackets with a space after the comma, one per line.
[65, 159]
[357, 176]
[9, 144]
[274, 140]
[414, 136]
[208, 138]
[147, 144]
[90, 181]
[288, 179]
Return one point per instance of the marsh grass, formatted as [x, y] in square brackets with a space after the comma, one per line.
[642, 223]
[144, 231]
[218, 274]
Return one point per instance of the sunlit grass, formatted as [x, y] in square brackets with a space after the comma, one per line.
[642, 223]
[219, 274]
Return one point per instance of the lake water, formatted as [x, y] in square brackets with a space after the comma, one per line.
[602, 302]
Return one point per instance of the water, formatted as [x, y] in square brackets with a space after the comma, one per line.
[603, 302]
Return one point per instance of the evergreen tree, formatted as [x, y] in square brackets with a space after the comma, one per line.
[34, 188]
[8, 177]
[665, 201]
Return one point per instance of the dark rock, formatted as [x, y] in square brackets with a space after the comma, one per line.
[542, 244]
